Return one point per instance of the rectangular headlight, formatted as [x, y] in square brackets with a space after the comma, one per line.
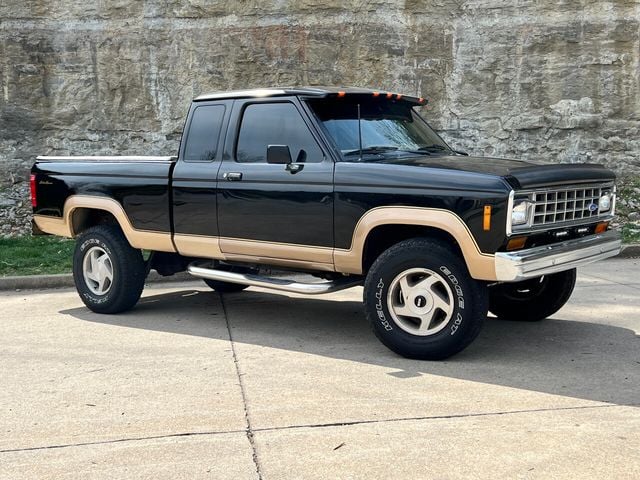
[520, 212]
[605, 202]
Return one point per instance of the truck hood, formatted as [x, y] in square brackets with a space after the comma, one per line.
[520, 174]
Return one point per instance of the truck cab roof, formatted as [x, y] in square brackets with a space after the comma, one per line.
[309, 92]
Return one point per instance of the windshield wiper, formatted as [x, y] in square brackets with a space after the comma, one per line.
[371, 150]
[435, 146]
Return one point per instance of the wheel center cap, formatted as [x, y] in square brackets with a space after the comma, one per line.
[420, 301]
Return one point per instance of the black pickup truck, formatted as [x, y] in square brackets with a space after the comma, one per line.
[350, 186]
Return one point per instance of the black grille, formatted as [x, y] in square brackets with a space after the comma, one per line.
[566, 205]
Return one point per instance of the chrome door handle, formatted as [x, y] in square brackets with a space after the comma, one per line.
[232, 176]
[294, 167]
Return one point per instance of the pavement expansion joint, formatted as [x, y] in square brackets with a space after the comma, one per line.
[121, 440]
[441, 417]
[252, 431]
[249, 430]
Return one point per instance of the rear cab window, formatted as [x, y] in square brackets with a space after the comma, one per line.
[204, 133]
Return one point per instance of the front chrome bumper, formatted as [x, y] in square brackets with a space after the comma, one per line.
[557, 257]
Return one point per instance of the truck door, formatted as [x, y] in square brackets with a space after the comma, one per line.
[194, 179]
[275, 212]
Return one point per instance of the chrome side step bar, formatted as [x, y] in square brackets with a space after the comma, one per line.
[197, 270]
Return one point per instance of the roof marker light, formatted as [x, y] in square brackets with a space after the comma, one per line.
[389, 95]
[398, 96]
[341, 93]
[376, 94]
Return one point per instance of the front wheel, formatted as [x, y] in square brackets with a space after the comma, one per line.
[108, 272]
[421, 301]
[532, 300]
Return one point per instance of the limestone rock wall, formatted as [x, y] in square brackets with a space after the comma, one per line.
[526, 78]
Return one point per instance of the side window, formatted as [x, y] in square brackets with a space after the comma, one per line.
[265, 124]
[204, 132]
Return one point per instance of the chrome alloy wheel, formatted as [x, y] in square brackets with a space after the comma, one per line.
[420, 301]
[97, 270]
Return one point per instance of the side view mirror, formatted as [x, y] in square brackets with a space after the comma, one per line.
[460, 152]
[278, 154]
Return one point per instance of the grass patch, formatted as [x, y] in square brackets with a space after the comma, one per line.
[630, 234]
[35, 255]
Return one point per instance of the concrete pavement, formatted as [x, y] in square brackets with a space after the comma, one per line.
[264, 385]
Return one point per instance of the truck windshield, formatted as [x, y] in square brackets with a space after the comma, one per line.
[388, 129]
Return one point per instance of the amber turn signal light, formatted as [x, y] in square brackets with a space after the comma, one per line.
[602, 227]
[516, 243]
[486, 219]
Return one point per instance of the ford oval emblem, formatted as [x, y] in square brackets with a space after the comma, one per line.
[593, 207]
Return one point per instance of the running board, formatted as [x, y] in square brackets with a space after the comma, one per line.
[273, 283]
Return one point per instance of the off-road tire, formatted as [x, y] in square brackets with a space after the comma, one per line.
[226, 287]
[532, 300]
[128, 265]
[469, 302]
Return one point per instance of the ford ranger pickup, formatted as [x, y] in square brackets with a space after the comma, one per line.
[348, 187]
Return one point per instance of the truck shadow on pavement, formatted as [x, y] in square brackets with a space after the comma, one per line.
[557, 356]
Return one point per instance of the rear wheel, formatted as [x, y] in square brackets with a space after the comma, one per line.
[421, 301]
[108, 272]
[532, 300]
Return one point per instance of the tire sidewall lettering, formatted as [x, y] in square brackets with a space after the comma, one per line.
[380, 306]
[455, 283]
[456, 286]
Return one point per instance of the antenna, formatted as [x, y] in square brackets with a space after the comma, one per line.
[359, 133]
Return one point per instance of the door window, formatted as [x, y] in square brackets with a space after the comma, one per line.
[265, 124]
[204, 132]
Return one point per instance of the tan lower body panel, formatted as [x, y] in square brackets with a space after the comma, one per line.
[481, 265]
[255, 251]
[305, 257]
[53, 225]
[281, 262]
[198, 246]
[156, 241]
[144, 239]
[303, 253]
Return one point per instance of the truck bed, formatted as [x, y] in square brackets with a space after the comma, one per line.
[141, 184]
